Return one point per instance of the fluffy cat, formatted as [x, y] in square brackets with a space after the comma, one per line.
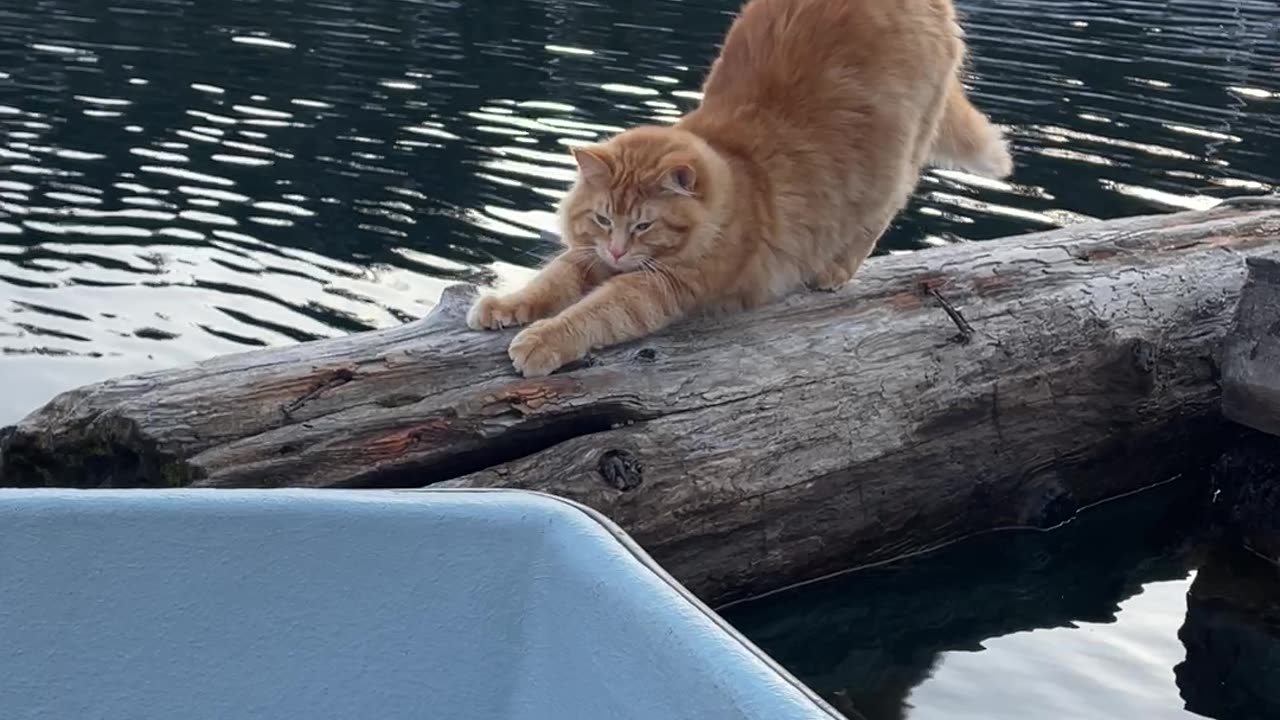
[815, 123]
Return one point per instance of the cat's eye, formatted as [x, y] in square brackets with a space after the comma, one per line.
[642, 226]
[603, 221]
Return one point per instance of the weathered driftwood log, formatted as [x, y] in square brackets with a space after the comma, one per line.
[747, 452]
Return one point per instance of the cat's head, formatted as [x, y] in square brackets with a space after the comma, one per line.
[647, 194]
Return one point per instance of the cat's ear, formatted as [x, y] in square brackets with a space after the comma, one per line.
[680, 180]
[593, 165]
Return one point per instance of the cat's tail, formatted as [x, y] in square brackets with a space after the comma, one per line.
[966, 140]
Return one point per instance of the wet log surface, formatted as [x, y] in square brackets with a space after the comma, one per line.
[943, 393]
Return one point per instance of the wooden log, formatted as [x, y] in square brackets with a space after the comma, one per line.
[1251, 360]
[751, 451]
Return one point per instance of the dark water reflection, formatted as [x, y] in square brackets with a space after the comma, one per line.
[1097, 621]
[182, 178]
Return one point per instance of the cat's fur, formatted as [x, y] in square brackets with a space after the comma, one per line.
[815, 123]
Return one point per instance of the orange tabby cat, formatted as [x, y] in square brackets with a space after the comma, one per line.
[815, 122]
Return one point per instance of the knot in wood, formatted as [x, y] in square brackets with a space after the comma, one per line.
[620, 470]
[646, 355]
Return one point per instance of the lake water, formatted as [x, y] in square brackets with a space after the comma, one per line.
[1128, 612]
[180, 179]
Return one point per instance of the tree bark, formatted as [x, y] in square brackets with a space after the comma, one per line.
[943, 393]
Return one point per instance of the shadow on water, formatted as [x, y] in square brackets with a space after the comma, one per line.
[1232, 638]
[182, 178]
[871, 642]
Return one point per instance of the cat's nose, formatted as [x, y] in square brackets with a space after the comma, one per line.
[617, 253]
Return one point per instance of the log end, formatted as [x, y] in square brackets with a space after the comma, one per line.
[454, 303]
[1265, 267]
[104, 452]
[1251, 353]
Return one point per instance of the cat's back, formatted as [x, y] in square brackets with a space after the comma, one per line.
[826, 108]
[789, 53]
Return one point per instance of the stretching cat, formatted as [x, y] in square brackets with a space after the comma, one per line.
[815, 122]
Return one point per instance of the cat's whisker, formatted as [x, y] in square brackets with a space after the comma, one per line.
[648, 271]
[666, 279]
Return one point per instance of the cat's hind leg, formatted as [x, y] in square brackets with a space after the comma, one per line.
[966, 140]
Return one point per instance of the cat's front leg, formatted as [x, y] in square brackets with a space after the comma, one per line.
[558, 285]
[841, 269]
[626, 307]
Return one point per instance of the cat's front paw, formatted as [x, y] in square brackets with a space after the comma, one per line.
[544, 347]
[493, 312]
[830, 279]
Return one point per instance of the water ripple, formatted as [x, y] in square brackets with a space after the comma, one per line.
[335, 165]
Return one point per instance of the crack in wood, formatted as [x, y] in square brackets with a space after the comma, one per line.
[329, 380]
[466, 450]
